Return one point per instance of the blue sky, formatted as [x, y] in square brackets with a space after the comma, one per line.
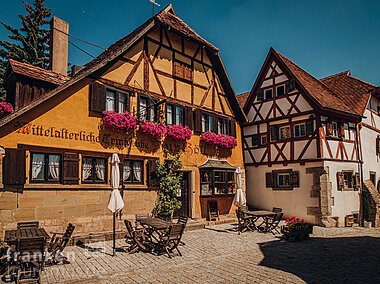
[322, 36]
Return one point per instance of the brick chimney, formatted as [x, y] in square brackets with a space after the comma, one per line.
[59, 45]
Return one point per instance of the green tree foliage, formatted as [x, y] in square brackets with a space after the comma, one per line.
[28, 44]
[169, 183]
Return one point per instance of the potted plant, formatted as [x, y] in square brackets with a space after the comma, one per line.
[219, 140]
[179, 132]
[169, 182]
[5, 108]
[154, 129]
[121, 122]
[296, 229]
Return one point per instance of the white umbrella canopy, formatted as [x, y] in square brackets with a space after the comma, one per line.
[116, 202]
[239, 199]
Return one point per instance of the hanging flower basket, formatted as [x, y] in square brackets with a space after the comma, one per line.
[156, 130]
[220, 140]
[179, 132]
[122, 122]
[5, 108]
[296, 229]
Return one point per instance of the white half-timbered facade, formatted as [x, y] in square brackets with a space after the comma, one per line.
[302, 148]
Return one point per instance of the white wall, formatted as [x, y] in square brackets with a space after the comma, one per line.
[293, 202]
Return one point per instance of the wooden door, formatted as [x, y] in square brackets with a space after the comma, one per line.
[185, 197]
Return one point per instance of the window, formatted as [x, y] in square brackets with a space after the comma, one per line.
[207, 122]
[263, 139]
[45, 167]
[282, 179]
[280, 90]
[147, 109]
[116, 101]
[133, 171]
[372, 177]
[217, 182]
[347, 180]
[222, 126]
[300, 130]
[335, 129]
[174, 114]
[268, 94]
[94, 170]
[259, 139]
[183, 71]
[284, 132]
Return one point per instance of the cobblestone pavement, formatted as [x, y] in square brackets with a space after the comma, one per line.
[219, 255]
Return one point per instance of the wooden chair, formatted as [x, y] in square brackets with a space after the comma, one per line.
[271, 224]
[245, 222]
[136, 238]
[171, 239]
[139, 217]
[58, 243]
[30, 259]
[24, 225]
[182, 220]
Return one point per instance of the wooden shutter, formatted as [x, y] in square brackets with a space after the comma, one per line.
[260, 95]
[14, 167]
[310, 127]
[329, 129]
[178, 69]
[295, 179]
[198, 121]
[97, 97]
[356, 181]
[341, 130]
[152, 167]
[269, 179]
[232, 127]
[340, 180]
[189, 117]
[274, 133]
[256, 140]
[71, 168]
[378, 145]
[188, 73]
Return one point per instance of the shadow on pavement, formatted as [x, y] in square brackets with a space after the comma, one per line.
[326, 260]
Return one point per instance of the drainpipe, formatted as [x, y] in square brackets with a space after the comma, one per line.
[360, 169]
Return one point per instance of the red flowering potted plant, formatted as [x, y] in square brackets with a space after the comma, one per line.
[220, 140]
[179, 132]
[154, 129]
[121, 122]
[296, 229]
[5, 108]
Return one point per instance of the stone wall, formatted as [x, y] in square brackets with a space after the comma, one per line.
[372, 203]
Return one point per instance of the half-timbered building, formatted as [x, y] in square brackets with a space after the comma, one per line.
[308, 143]
[56, 158]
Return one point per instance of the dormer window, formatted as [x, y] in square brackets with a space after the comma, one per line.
[268, 94]
[280, 90]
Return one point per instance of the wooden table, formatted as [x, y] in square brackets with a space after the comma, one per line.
[257, 215]
[12, 236]
[155, 225]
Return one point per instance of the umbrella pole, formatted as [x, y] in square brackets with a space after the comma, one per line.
[114, 234]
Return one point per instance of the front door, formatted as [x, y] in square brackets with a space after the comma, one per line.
[184, 197]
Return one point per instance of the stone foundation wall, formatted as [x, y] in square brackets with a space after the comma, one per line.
[372, 197]
[87, 210]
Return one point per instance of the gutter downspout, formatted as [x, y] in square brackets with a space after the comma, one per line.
[360, 169]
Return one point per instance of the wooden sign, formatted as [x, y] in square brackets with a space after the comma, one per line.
[213, 211]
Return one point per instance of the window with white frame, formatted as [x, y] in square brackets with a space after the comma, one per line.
[207, 122]
[283, 180]
[174, 114]
[335, 129]
[147, 109]
[94, 170]
[299, 130]
[222, 126]
[116, 101]
[45, 167]
[133, 171]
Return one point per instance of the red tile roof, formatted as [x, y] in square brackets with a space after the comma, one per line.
[38, 73]
[353, 91]
[242, 98]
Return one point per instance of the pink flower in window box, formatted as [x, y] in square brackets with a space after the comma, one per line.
[156, 130]
[122, 122]
[5, 108]
[221, 140]
[179, 132]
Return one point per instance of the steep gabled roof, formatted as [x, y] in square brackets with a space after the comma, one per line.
[340, 92]
[353, 91]
[37, 73]
[242, 98]
[166, 16]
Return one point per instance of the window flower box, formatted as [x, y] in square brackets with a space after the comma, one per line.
[156, 130]
[121, 122]
[179, 132]
[220, 140]
[5, 108]
[296, 229]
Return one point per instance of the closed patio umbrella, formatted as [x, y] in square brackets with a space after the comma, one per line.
[239, 199]
[116, 202]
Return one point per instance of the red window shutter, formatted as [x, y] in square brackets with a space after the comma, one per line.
[178, 69]
[188, 73]
[340, 180]
[198, 121]
[269, 179]
[71, 168]
[14, 167]
[329, 129]
[341, 131]
[97, 97]
[295, 179]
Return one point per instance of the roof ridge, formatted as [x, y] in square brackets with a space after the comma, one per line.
[316, 80]
[361, 80]
[346, 72]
